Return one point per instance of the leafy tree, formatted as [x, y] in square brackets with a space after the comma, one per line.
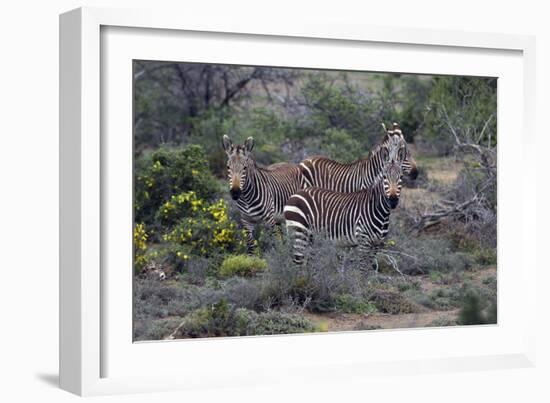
[168, 96]
[464, 107]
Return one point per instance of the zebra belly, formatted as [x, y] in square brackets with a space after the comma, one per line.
[254, 214]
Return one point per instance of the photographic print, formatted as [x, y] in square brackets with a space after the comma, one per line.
[274, 200]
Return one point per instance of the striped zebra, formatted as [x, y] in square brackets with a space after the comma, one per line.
[353, 219]
[260, 193]
[329, 174]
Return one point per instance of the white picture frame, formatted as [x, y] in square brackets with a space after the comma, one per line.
[94, 343]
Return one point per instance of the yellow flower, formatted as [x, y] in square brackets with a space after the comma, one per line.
[157, 166]
[140, 237]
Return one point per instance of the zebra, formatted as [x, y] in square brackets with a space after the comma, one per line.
[259, 193]
[340, 177]
[354, 219]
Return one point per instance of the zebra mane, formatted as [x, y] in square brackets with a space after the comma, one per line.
[375, 149]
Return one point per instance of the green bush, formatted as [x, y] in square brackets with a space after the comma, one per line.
[470, 313]
[203, 229]
[273, 322]
[422, 299]
[389, 301]
[445, 298]
[223, 319]
[348, 303]
[477, 309]
[165, 172]
[242, 265]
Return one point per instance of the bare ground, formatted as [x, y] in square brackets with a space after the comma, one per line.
[440, 171]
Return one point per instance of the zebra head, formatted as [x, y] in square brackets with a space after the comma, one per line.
[238, 157]
[391, 179]
[394, 136]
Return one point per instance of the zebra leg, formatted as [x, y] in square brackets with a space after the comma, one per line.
[274, 226]
[374, 261]
[278, 231]
[366, 250]
[300, 239]
[250, 241]
[393, 263]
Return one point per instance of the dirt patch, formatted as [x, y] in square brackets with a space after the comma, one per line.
[347, 322]
[442, 170]
[478, 277]
[418, 198]
[444, 176]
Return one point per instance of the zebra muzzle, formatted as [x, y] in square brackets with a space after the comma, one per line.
[413, 174]
[394, 201]
[235, 193]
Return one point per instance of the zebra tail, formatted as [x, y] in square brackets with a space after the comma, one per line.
[298, 230]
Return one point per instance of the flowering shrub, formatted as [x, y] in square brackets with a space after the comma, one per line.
[204, 229]
[140, 246]
[177, 198]
[180, 205]
[242, 265]
[165, 172]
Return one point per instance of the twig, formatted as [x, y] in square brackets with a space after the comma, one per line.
[172, 335]
[484, 128]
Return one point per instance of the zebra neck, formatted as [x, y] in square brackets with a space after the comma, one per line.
[371, 168]
[376, 202]
[250, 187]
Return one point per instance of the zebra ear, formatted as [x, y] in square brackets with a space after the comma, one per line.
[386, 133]
[227, 143]
[396, 128]
[249, 144]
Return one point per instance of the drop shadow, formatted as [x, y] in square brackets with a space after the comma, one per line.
[49, 379]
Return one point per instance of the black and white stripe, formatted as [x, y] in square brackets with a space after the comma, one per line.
[354, 219]
[326, 173]
[260, 193]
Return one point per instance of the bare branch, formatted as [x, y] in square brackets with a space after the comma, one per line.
[451, 128]
[485, 128]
